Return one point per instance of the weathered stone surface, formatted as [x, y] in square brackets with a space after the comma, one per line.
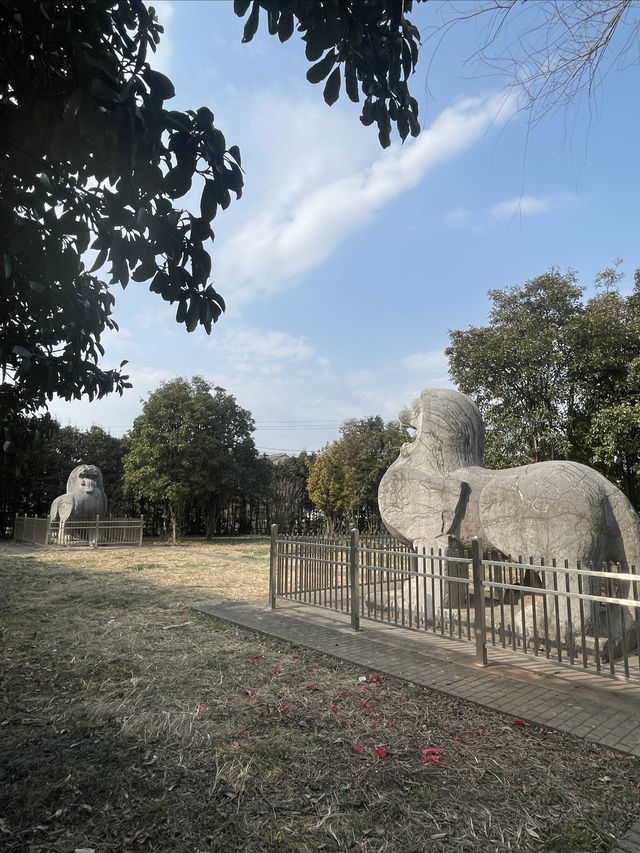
[84, 498]
[437, 489]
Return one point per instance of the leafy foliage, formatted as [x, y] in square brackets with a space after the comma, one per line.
[43, 454]
[91, 158]
[332, 485]
[188, 446]
[343, 481]
[556, 377]
[370, 46]
[517, 369]
[289, 502]
[370, 447]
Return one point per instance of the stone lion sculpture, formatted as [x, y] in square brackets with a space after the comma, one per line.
[83, 500]
[438, 488]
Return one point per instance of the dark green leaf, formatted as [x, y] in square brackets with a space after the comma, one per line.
[162, 89]
[234, 151]
[332, 89]
[193, 316]
[285, 25]
[209, 201]
[45, 180]
[272, 20]
[251, 27]
[240, 7]
[177, 182]
[145, 271]
[367, 116]
[406, 59]
[351, 81]
[36, 287]
[219, 141]
[320, 70]
[181, 313]
[176, 120]
[204, 118]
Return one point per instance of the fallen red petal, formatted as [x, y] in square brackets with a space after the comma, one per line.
[311, 687]
[334, 710]
[365, 704]
[458, 738]
[284, 708]
[380, 752]
[356, 748]
[518, 722]
[201, 708]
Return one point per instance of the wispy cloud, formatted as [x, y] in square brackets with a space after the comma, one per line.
[512, 208]
[458, 217]
[297, 227]
[259, 351]
[528, 205]
[432, 362]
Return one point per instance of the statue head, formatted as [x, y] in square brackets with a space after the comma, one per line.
[85, 478]
[449, 431]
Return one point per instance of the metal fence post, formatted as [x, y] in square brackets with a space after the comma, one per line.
[354, 578]
[273, 565]
[47, 532]
[479, 624]
[95, 544]
[141, 531]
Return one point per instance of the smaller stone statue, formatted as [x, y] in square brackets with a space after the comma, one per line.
[84, 498]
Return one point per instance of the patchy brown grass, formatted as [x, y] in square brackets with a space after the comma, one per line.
[131, 722]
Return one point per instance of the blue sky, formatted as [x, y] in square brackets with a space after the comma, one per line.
[344, 266]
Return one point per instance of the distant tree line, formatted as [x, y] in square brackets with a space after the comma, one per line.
[555, 377]
[558, 377]
[190, 466]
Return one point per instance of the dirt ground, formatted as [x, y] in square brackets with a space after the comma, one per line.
[131, 722]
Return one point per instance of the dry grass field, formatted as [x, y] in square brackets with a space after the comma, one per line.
[130, 722]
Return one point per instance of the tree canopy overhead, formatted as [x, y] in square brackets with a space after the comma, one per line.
[369, 46]
[90, 158]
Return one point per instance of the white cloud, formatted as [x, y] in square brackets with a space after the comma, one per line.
[457, 218]
[259, 351]
[298, 227]
[512, 208]
[433, 361]
[113, 413]
[525, 205]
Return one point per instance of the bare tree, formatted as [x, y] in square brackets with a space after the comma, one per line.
[553, 51]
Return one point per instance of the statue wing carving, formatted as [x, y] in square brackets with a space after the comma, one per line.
[418, 507]
[541, 510]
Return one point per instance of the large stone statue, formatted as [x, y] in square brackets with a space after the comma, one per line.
[84, 498]
[438, 488]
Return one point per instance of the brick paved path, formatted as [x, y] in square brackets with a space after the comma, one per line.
[598, 708]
